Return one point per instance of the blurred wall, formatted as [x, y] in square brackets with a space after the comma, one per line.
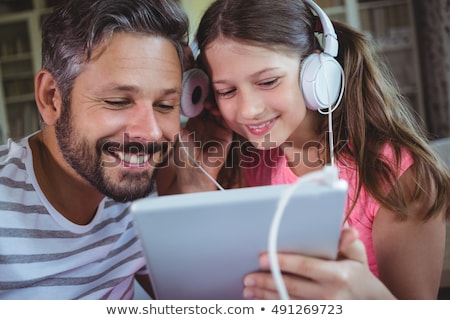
[194, 9]
[432, 20]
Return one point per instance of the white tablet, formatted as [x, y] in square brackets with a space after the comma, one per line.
[201, 245]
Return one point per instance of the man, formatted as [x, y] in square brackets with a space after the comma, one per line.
[108, 94]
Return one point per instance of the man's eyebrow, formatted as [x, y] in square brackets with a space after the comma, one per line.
[135, 89]
[118, 87]
[170, 91]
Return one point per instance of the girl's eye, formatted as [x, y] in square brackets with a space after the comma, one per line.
[270, 83]
[225, 93]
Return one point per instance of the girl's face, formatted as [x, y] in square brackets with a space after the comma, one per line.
[257, 91]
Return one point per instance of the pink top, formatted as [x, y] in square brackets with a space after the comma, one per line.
[363, 214]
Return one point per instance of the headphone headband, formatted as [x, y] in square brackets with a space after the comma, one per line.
[331, 43]
[321, 76]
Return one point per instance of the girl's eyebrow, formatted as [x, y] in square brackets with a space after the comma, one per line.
[254, 75]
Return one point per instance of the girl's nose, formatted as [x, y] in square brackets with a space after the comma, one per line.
[250, 105]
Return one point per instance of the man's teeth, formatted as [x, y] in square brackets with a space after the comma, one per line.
[133, 158]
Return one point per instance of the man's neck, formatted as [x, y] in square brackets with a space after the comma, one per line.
[74, 197]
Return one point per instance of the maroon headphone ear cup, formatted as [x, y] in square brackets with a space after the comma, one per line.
[195, 91]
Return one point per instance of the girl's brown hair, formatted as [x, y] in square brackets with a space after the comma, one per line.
[372, 113]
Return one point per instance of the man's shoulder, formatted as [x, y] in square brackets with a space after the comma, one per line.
[14, 177]
[13, 150]
[13, 156]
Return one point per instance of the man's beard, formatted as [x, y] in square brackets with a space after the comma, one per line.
[87, 161]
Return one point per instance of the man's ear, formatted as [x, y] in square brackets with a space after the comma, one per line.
[48, 97]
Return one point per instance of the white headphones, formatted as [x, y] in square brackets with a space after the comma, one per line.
[321, 76]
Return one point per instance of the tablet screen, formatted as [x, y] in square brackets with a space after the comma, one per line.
[201, 245]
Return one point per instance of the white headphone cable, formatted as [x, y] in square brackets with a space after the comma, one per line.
[198, 165]
[331, 108]
[328, 174]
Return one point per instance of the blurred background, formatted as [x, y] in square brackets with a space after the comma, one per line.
[413, 36]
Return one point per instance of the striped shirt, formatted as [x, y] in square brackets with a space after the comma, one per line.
[45, 256]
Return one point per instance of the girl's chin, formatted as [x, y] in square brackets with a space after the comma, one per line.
[265, 144]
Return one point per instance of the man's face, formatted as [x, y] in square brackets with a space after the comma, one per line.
[123, 116]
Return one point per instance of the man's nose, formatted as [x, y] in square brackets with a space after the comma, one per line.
[143, 125]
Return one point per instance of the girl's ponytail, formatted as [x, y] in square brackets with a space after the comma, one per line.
[374, 113]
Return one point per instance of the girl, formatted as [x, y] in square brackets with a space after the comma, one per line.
[255, 52]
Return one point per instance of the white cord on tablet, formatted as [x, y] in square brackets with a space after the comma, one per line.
[329, 174]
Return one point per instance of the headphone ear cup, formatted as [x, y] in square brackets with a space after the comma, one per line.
[321, 81]
[195, 90]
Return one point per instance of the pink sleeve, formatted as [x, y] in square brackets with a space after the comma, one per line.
[366, 208]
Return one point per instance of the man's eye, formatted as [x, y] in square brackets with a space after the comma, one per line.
[118, 103]
[165, 106]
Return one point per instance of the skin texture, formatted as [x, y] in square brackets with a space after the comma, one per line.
[257, 92]
[124, 99]
[258, 96]
[248, 91]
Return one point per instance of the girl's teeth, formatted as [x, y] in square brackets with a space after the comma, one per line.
[260, 126]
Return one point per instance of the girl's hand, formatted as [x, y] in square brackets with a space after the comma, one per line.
[205, 142]
[309, 278]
